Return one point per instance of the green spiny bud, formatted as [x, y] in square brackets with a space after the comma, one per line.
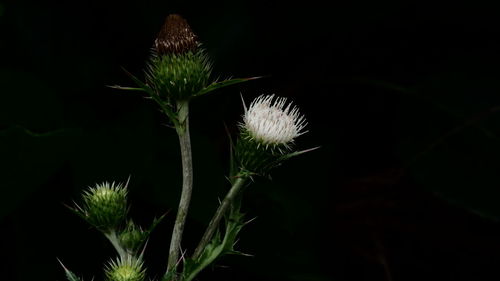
[104, 206]
[126, 269]
[132, 237]
[179, 76]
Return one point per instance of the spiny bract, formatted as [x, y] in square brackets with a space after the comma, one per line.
[179, 76]
[104, 206]
[126, 269]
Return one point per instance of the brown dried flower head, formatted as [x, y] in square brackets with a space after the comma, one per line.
[175, 37]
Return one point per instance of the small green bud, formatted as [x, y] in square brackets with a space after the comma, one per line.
[104, 206]
[132, 237]
[127, 269]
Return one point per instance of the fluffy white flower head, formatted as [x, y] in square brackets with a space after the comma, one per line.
[273, 121]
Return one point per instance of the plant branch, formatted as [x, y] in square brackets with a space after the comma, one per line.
[219, 214]
[187, 185]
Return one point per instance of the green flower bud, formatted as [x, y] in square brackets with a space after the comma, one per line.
[127, 269]
[179, 68]
[132, 237]
[104, 206]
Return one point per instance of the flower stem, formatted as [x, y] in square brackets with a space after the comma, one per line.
[113, 238]
[219, 214]
[187, 185]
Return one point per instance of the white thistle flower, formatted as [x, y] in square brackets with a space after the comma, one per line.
[273, 121]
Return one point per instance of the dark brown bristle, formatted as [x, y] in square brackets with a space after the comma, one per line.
[175, 37]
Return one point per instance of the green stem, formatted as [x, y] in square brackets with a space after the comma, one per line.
[219, 214]
[113, 238]
[187, 185]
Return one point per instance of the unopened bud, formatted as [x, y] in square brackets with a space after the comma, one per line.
[104, 206]
[127, 269]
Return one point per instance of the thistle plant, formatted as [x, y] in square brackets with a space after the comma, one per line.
[178, 71]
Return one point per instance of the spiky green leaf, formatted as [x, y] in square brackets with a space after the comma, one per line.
[225, 83]
[128, 88]
[143, 87]
[69, 274]
[296, 153]
[218, 246]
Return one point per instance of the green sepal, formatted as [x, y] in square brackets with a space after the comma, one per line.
[254, 158]
[222, 84]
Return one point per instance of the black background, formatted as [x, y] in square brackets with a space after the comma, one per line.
[402, 99]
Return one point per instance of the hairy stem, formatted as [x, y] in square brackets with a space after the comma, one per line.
[187, 185]
[219, 214]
